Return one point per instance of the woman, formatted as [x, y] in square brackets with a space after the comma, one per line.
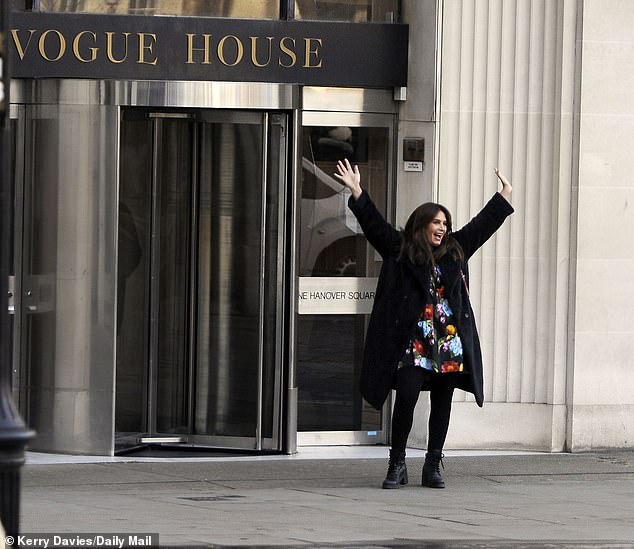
[422, 333]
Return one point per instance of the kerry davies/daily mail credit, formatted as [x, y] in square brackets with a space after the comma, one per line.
[53, 541]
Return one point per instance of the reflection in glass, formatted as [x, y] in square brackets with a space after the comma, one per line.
[154, 237]
[249, 9]
[330, 347]
[228, 281]
[331, 241]
[41, 266]
[135, 193]
[156, 314]
[198, 310]
[171, 305]
[381, 11]
[359, 11]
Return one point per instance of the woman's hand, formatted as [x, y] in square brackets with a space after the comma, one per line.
[507, 188]
[349, 177]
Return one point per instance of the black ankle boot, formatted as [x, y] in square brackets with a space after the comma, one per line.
[396, 471]
[431, 470]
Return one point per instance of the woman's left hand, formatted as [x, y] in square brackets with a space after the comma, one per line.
[507, 188]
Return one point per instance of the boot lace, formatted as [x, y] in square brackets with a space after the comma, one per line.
[437, 462]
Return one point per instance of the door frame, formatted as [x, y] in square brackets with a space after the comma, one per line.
[274, 165]
[18, 382]
[352, 119]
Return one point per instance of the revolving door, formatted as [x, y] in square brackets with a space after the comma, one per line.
[199, 309]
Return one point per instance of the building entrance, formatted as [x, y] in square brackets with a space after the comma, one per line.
[187, 270]
[200, 278]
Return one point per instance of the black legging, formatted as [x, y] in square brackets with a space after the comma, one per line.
[409, 381]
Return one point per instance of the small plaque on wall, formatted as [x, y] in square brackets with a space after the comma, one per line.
[413, 166]
[413, 154]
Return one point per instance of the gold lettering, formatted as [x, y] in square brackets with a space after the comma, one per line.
[18, 44]
[93, 50]
[191, 49]
[149, 47]
[221, 53]
[254, 55]
[310, 51]
[62, 45]
[109, 53]
[288, 51]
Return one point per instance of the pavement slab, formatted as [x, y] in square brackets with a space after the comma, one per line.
[520, 501]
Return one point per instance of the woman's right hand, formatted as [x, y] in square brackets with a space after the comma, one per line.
[349, 177]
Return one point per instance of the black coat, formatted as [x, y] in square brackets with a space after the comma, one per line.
[403, 290]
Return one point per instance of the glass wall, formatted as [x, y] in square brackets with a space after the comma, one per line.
[251, 9]
[361, 11]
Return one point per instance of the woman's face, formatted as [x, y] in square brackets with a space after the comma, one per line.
[436, 228]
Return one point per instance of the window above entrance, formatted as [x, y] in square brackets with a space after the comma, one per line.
[247, 9]
[360, 11]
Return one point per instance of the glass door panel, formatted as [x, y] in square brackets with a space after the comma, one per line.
[335, 262]
[228, 280]
[133, 274]
[240, 278]
[171, 258]
[201, 236]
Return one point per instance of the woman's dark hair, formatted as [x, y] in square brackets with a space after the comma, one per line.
[416, 248]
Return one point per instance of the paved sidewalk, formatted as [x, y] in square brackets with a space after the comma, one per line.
[524, 500]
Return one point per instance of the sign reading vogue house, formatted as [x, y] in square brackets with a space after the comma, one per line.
[187, 48]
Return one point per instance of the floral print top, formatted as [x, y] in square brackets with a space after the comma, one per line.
[435, 344]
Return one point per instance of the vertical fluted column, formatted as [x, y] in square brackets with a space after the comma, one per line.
[504, 102]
